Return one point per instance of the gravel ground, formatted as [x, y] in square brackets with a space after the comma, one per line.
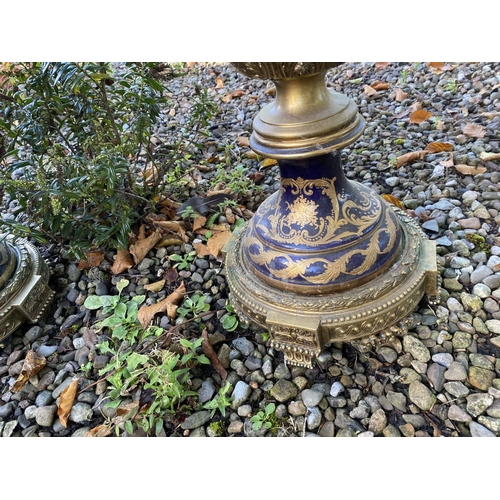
[442, 379]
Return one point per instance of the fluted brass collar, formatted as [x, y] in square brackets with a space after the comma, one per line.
[306, 118]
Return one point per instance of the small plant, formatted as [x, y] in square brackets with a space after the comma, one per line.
[264, 418]
[404, 75]
[193, 306]
[451, 86]
[229, 320]
[162, 377]
[220, 402]
[183, 261]
[234, 177]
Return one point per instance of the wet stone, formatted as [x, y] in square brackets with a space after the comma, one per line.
[443, 358]
[478, 430]
[206, 391]
[493, 325]
[336, 389]
[196, 420]
[311, 397]
[415, 347]
[435, 374]
[327, 429]
[378, 422]
[480, 378]
[313, 418]
[421, 395]
[456, 371]
[240, 394]
[282, 372]
[284, 390]
[296, 408]
[45, 415]
[493, 424]
[456, 413]
[494, 409]
[387, 354]
[478, 403]
[461, 340]
[244, 346]
[397, 399]
[408, 375]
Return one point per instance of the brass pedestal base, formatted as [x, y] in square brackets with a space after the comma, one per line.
[302, 325]
[26, 294]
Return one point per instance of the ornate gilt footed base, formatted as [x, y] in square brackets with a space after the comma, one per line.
[25, 294]
[301, 325]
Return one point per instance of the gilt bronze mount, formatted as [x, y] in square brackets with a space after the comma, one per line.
[324, 259]
[24, 290]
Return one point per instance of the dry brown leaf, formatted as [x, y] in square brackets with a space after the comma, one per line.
[169, 305]
[155, 287]
[474, 130]
[243, 141]
[381, 65]
[238, 93]
[468, 170]
[226, 98]
[99, 431]
[219, 83]
[439, 147]
[33, 363]
[268, 162]
[93, 259]
[212, 356]
[216, 243]
[199, 222]
[489, 156]
[439, 67]
[393, 200]
[490, 115]
[414, 155]
[168, 241]
[369, 91]
[171, 274]
[142, 232]
[201, 249]
[271, 90]
[419, 116]
[123, 261]
[378, 85]
[140, 249]
[66, 402]
[170, 226]
[449, 162]
[171, 112]
[401, 95]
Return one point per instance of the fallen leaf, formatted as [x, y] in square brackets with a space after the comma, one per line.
[201, 249]
[102, 430]
[256, 177]
[66, 402]
[93, 259]
[238, 93]
[199, 222]
[414, 155]
[171, 274]
[270, 90]
[216, 243]
[468, 170]
[268, 162]
[401, 95]
[439, 147]
[219, 83]
[474, 130]
[172, 227]
[226, 98]
[419, 116]
[369, 91]
[168, 241]
[243, 141]
[439, 67]
[123, 261]
[449, 162]
[378, 85]
[490, 116]
[140, 249]
[169, 305]
[381, 65]
[489, 156]
[393, 200]
[171, 112]
[209, 352]
[155, 287]
[231, 219]
[33, 363]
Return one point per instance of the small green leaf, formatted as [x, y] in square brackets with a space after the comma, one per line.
[122, 284]
[129, 427]
[93, 302]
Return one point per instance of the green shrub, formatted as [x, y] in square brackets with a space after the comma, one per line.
[76, 150]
